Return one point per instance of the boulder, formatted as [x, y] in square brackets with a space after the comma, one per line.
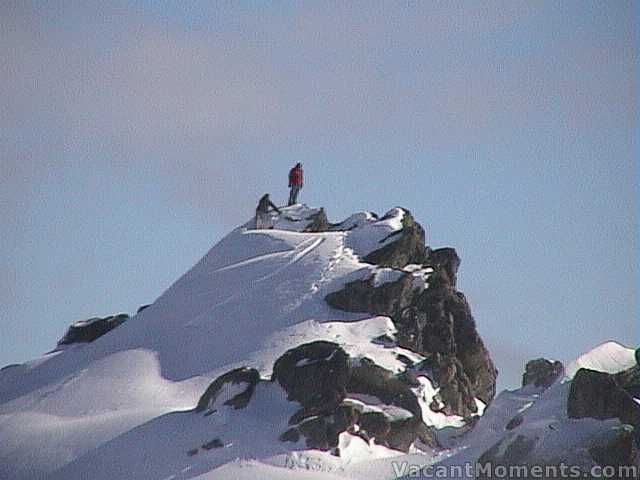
[247, 378]
[85, 331]
[598, 395]
[314, 374]
[542, 373]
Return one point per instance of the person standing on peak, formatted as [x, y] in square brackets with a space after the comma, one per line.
[262, 211]
[296, 181]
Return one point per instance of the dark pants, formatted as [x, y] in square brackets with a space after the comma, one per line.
[293, 195]
[262, 219]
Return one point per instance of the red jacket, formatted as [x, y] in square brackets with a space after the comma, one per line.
[295, 177]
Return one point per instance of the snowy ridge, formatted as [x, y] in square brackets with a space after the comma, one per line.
[122, 406]
[254, 295]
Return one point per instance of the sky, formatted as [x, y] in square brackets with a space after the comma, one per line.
[134, 135]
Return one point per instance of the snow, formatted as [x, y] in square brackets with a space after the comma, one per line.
[368, 404]
[610, 357]
[84, 323]
[386, 275]
[128, 395]
[419, 274]
[121, 407]
[375, 233]
[425, 394]
[308, 361]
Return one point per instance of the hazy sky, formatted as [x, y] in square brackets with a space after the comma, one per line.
[134, 135]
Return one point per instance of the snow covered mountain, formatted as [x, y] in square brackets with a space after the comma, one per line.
[308, 350]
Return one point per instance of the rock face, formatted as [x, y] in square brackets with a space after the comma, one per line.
[314, 374]
[542, 373]
[334, 391]
[630, 380]
[319, 376]
[622, 451]
[598, 395]
[408, 248]
[435, 322]
[89, 330]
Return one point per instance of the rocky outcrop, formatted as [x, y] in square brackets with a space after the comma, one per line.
[88, 330]
[407, 248]
[370, 379]
[322, 431]
[630, 380]
[363, 296]
[435, 322]
[314, 374]
[622, 451]
[320, 377]
[598, 395]
[542, 373]
[318, 222]
[247, 377]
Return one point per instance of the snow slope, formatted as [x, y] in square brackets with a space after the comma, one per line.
[121, 407]
[254, 295]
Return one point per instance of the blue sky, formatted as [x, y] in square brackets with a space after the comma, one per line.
[135, 134]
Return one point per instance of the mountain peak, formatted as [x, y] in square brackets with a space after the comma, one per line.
[349, 339]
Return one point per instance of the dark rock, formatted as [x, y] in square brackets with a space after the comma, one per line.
[598, 395]
[622, 451]
[11, 365]
[215, 443]
[248, 376]
[290, 435]
[371, 379]
[435, 322]
[362, 296]
[451, 331]
[89, 330]
[446, 260]
[542, 373]
[192, 452]
[630, 380]
[515, 422]
[314, 374]
[322, 431]
[404, 432]
[456, 391]
[517, 452]
[407, 248]
[398, 434]
[374, 425]
[143, 307]
[319, 222]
